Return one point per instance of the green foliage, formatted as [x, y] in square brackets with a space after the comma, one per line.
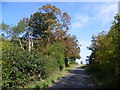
[43, 47]
[105, 54]
[73, 62]
[19, 66]
[56, 51]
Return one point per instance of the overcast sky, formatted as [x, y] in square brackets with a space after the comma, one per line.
[87, 18]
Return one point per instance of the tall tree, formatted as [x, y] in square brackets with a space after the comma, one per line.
[49, 18]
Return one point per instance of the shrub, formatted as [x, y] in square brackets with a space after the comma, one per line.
[57, 51]
[19, 66]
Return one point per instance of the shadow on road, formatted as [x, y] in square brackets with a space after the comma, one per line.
[76, 78]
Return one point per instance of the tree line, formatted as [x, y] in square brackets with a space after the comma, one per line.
[105, 57]
[37, 46]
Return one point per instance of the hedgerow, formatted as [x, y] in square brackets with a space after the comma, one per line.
[19, 66]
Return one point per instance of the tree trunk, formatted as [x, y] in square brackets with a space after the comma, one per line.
[32, 42]
[66, 63]
[29, 43]
[21, 44]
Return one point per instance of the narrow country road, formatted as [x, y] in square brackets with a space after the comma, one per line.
[76, 78]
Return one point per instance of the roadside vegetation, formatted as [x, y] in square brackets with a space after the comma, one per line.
[104, 61]
[50, 79]
[37, 48]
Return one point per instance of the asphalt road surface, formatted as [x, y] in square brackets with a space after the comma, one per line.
[76, 78]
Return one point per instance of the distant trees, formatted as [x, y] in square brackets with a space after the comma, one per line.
[37, 46]
[105, 56]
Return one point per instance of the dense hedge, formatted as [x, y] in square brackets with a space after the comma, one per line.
[19, 66]
[105, 55]
[57, 51]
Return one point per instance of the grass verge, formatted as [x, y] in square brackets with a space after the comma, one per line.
[93, 75]
[51, 79]
[100, 79]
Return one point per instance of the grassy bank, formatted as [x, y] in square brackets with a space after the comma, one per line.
[101, 79]
[51, 79]
[93, 76]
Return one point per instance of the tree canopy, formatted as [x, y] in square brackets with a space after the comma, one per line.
[37, 46]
